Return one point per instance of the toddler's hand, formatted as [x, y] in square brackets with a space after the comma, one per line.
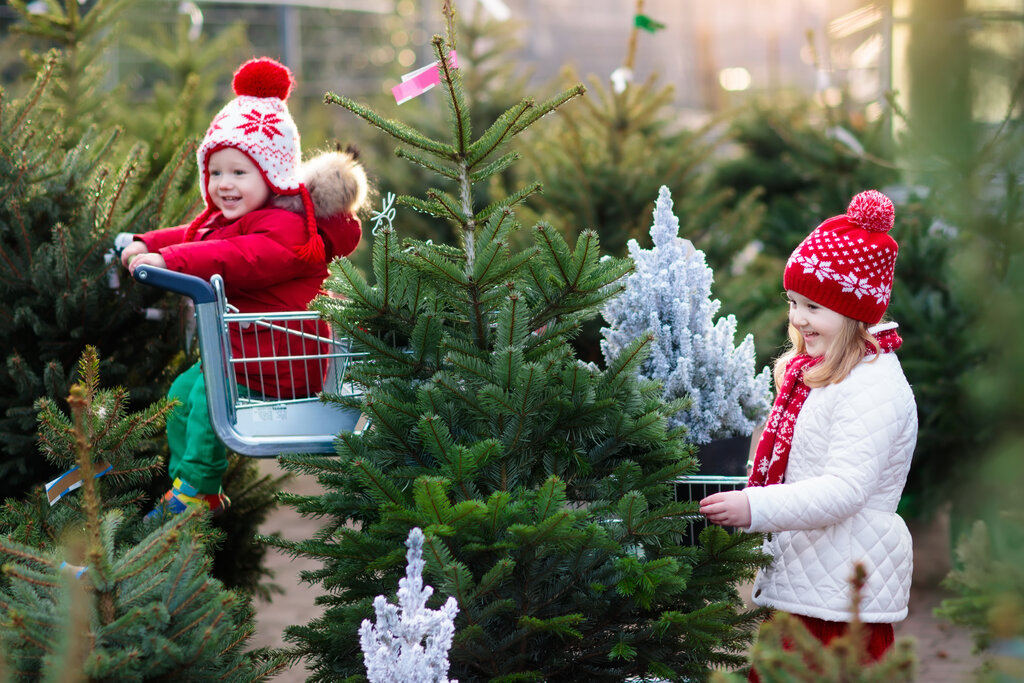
[729, 508]
[132, 250]
[148, 258]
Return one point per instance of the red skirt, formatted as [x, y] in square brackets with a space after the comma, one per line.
[880, 637]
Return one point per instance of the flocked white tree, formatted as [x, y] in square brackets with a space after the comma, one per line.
[409, 642]
[693, 356]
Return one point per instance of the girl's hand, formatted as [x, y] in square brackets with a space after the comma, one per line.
[132, 250]
[148, 258]
[729, 508]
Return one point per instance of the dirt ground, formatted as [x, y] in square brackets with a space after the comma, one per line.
[944, 651]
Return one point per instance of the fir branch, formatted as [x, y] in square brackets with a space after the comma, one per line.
[624, 363]
[128, 169]
[442, 380]
[456, 96]
[429, 261]
[426, 163]
[495, 167]
[203, 616]
[511, 326]
[551, 496]
[496, 134]
[41, 83]
[99, 150]
[451, 207]
[431, 495]
[493, 578]
[458, 579]
[356, 286]
[557, 251]
[406, 134]
[426, 337]
[381, 486]
[486, 257]
[30, 557]
[382, 420]
[548, 106]
[499, 227]
[507, 267]
[509, 201]
[434, 208]
[494, 396]
[507, 362]
[469, 358]
[439, 440]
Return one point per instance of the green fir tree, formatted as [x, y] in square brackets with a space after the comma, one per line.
[95, 607]
[491, 85]
[601, 163]
[984, 196]
[82, 35]
[543, 485]
[183, 76]
[115, 439]
[59, 213]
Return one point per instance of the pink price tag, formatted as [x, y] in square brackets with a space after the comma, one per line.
[417, 82]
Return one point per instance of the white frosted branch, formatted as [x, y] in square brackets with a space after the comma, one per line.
[409, 642]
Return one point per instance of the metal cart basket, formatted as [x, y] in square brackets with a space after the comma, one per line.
[259, 416]
[696, 487]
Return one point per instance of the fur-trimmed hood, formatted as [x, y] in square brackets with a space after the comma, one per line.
[338, 186]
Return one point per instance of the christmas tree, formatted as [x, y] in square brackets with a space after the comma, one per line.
[82, 35]
[693, 356]
[44, 516]
[486, 53]
[98, 603]
[58, 218]
[187, 74]
[543, 485]
[603, 162]
[982, 195]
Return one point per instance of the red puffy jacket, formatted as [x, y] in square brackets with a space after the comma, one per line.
[262, 274]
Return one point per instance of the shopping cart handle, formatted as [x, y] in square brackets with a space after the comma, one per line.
[197, 289]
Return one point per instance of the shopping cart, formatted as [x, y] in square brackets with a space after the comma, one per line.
[698, 486]
[257, 416]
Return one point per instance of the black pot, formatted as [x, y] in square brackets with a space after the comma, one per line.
[724, 457]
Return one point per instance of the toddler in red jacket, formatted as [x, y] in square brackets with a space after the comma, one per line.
[270, 226]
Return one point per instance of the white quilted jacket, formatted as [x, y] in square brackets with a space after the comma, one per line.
[852, 446]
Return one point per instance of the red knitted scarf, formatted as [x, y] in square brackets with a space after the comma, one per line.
[772, 454]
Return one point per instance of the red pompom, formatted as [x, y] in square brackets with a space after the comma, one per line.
[263, 77]
[871, 210]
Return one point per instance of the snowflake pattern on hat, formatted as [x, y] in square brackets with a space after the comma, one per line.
[847, 263]
[258, 122]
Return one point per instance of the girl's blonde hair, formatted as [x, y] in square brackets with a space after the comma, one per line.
[841, 357]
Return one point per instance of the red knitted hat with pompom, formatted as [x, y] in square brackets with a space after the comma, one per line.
[847, 263]
[257, 122]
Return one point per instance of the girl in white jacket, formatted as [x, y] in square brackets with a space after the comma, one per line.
[832, 462]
